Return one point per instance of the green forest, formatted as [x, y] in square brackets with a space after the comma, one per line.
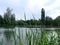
[8, 19]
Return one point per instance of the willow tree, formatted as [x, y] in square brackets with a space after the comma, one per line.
[9, 17]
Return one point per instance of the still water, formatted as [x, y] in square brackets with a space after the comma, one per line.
[7, 38]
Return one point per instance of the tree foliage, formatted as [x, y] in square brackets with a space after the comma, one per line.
[43, 16]
[9, 20]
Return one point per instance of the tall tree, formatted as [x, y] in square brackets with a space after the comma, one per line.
[9, 17]
[43, 16]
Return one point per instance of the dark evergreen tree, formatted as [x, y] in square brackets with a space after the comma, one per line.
[42, 16]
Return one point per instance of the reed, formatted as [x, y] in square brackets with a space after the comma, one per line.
[33, 37]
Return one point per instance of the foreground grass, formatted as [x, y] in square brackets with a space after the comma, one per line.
[33, 37]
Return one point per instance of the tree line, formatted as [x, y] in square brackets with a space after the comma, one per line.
[9, 20]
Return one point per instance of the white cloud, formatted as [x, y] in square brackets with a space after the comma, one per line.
[36, 3]
[53, 9]
[51, 6]
[54, 13]
[15, 1]
[54, 5]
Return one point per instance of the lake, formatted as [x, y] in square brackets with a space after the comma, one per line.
[26, 36]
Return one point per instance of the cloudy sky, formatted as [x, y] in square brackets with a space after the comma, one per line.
[31, 7]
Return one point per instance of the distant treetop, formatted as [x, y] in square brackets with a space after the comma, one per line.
[42, 10]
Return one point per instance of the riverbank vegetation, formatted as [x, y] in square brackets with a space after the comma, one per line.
[31, 37]
[9, 20]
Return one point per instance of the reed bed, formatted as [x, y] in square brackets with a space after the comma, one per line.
[33, 37]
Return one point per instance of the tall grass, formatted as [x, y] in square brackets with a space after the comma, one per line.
[33, 37]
